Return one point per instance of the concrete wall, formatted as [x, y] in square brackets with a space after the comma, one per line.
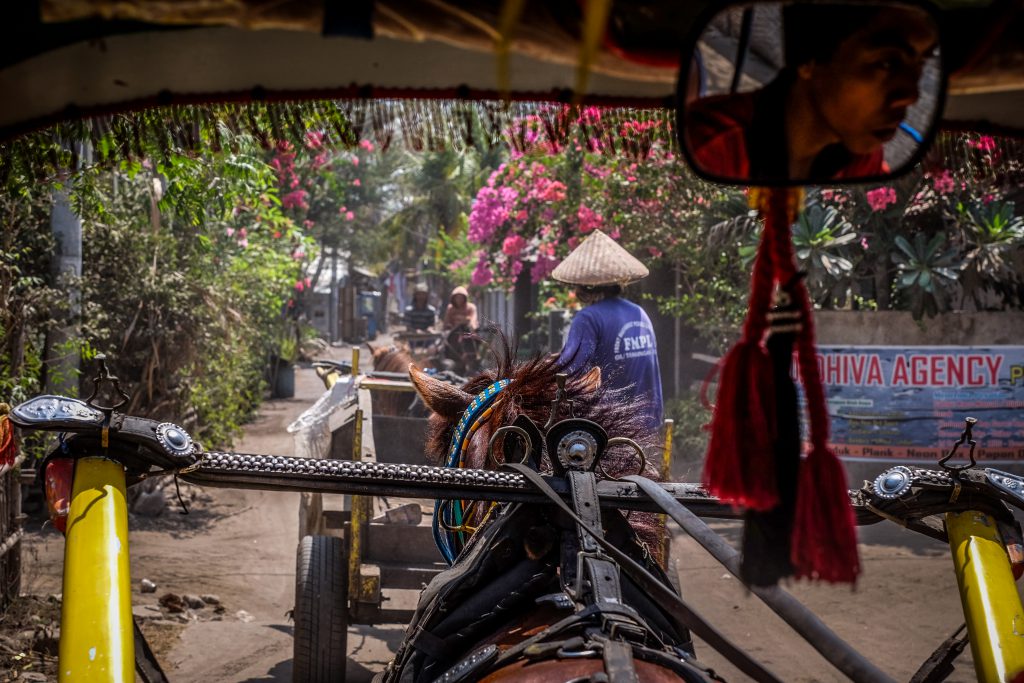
[898, 328]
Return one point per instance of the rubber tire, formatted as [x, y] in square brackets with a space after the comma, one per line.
[321, 611]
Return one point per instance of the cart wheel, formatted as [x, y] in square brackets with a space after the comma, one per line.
[321, 611]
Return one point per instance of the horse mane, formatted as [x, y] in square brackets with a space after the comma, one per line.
[531, 393]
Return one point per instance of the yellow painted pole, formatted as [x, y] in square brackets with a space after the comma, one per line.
[96, 642]
[992, 606]
[358, 515]
[666, 473]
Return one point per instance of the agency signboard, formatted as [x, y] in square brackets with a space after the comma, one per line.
[909, 403]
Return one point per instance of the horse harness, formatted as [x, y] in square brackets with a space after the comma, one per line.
[608, 616]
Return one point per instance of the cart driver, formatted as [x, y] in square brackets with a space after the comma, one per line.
[610, 332]
[420, 316]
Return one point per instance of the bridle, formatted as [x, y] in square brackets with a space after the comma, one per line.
[449, 525]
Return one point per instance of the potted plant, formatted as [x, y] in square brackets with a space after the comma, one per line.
[282, 366]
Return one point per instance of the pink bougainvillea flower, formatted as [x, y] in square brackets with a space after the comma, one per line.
[864, 242]
[589, 219]
[284, 146]
[308, 281]
[314, 139]
[355, 160]
[243, 232]
[295, 200]
[229, 231]
[513, 245]
[482, 274]
[655, 252]
[986, 143]
[944, 183]
[308, 223]
[357, 182]
[366, 144]
[349, 216]
[298, 254]
[542, 268]
[300, 285]
[277, 234]
[880, 198]
[491, 209]
[243, 243]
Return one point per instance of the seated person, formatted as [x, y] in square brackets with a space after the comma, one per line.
[460, 312]
[420, 316]
[851, 73]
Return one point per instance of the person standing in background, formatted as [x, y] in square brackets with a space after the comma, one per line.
[610, 332]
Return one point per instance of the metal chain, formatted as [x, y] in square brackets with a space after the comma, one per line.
[215, 462]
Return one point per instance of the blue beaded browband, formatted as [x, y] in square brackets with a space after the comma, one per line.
[451, 513]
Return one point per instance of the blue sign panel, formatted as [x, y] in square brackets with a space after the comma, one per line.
[909, 403]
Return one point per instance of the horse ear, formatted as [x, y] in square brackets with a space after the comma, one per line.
[443, 398]
[591, 381]
[373, 349]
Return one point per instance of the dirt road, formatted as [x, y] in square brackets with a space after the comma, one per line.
[240, 545]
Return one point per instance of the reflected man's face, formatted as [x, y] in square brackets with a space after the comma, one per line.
[864, 90]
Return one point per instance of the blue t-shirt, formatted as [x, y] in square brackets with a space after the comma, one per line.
[616, 335]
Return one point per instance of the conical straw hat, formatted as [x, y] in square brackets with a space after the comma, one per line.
[599, 260]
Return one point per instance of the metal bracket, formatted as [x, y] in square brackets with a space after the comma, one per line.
[965, 437]
[103, 375]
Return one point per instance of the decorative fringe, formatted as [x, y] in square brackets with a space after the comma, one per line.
[413, 124]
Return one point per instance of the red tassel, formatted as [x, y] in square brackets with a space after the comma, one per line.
[740, 464]
[824, 541]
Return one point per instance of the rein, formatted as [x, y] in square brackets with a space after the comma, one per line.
[449, 524]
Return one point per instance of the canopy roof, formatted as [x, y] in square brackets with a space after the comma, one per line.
[64, 59]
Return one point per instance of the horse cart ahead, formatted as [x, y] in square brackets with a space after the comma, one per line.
[362, 559]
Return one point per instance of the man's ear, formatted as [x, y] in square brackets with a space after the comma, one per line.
[591, 381]
[443, 398]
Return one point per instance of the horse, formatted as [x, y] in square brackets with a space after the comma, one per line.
[504, 610]
[393, 358]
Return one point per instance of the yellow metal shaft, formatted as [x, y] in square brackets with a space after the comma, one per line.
[992, 606]
[360, 514]
[96, 642]
[665, 470]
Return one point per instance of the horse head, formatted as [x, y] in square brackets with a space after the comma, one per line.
[524, 395]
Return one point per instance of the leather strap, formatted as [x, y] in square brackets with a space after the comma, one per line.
[671, 602]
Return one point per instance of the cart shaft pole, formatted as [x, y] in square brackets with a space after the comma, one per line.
[96, 639]
[992, 606]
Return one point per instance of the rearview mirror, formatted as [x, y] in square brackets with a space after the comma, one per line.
[807, 93]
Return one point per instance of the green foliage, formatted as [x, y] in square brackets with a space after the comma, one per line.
[689, 433]
[821, 239]
[926, 270]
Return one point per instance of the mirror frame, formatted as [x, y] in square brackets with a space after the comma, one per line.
[686, 60]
